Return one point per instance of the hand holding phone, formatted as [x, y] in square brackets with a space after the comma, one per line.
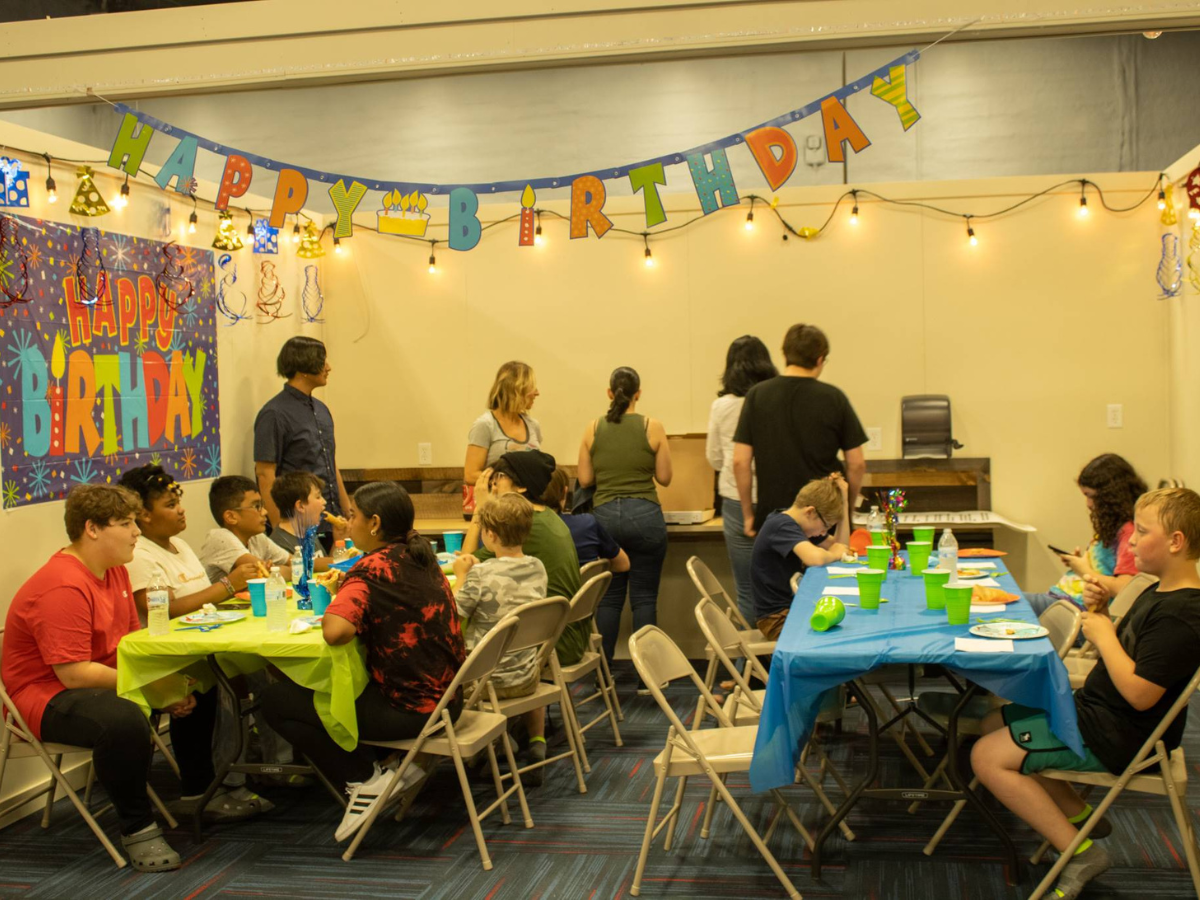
[1060, 552]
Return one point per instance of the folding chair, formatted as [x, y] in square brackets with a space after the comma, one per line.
[587, 572]
[1170, 779]
[583, 605]
[1062, 619]
[712, 589]
[744, 705]
[474, 732]
[18, 742]
[713, 753]
[1080, 661]
[539, 626]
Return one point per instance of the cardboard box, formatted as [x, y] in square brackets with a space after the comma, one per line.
[693, 484]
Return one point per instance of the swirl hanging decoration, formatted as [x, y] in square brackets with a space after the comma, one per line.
[12, 253]
[1170, 267]
[91, 275]
[226, 291]
[270, 293]
[312, 298]
[174, 288]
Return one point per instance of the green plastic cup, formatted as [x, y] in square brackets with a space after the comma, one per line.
[879, 538]
[870, 584]
[958, 603]
[935, 580]
[918, 556]
[879, 557]
[829, 612]
[921, 533]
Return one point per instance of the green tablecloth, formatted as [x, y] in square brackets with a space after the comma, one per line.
[337, 675]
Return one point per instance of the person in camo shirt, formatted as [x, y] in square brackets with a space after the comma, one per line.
[486, 591]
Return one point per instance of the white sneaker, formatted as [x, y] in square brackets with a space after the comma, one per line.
[364, 797]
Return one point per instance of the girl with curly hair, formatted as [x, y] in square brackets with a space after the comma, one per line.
[1111, 487]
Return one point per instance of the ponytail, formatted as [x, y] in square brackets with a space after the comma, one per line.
[420, 551]
[394, 507]
[624, 384]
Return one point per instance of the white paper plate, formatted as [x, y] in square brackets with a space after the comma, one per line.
[206, 618]
[975, 573]
[1010, 631]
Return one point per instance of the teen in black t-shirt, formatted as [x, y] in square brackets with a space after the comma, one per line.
[793, 427]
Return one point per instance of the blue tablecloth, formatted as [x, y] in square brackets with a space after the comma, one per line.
[807, 663]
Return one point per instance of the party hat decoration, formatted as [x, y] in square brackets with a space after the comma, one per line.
[88, 200]
[310, 243]
[227, 237]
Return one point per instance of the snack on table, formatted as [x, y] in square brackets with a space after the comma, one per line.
[327, 578]
[263, 571]
[337, 521]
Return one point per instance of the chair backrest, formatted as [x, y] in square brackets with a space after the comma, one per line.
[659, 661]
[594, 568]
[583, 604]
[540, 623]
[12, 723]
[794, 583]
[708, 586]
[727, 643]
[1159, 730]
[1062, 619]
[1119, 605]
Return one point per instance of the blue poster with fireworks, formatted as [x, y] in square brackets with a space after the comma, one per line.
[108, 359]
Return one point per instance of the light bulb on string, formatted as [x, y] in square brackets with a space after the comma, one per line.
[538, 240]
[51, 187]
[1162, 199]
[750, 216]
[971, 239]
[649, 257]
[432, 259]
[1083, 207]
[122, 199]
[296, 232]
[193, 218]
[854, 208]
[337, 244]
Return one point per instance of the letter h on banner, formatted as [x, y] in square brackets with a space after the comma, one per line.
[710, 182]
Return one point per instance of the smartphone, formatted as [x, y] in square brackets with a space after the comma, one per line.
[1060, 552]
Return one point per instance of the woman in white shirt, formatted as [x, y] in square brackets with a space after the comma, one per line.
[505, 427]
[747, 362]
[161, 555]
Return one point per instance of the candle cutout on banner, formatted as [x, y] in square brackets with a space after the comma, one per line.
[58, 367]
[403, 214]
[528, 198]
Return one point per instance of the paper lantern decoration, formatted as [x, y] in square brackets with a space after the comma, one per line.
[403, 214]
[227, 237]
[88, 200]
[16, 182]
[312, 298]
[266, 238]
[310, 243]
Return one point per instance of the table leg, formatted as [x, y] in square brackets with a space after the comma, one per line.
[851, 798]
[1013, 870]
[223, 769]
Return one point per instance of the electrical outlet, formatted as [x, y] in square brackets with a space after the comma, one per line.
[1116, 415]
[875, 438]
[425, 454]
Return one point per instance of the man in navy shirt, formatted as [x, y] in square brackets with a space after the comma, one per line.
[813, 531]
[294, 431]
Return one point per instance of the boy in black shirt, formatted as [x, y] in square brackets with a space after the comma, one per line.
[1145, 663]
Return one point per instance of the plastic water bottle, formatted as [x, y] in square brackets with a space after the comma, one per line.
[875, 526]
[948, 554]
[276, 601]
[339, 551]
[158, 606]
[297, 569]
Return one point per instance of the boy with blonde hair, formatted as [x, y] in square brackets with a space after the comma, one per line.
[813, 531]
[486, 591]
[1145, 663]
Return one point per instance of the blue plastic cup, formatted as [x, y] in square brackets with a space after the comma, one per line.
[319, 594]
[453, 540]
[258, 596]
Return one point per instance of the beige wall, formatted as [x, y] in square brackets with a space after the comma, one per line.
[1021, 331]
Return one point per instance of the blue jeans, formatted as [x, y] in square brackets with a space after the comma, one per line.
[741, 549]
[638, 526]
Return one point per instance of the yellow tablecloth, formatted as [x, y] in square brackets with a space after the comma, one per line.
[337, 675]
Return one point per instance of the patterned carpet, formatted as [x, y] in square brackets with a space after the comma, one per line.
[585, 846]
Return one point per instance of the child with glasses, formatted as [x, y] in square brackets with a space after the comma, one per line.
[241, 533]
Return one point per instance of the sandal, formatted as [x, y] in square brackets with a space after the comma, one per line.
[225, 806]
[149, 852]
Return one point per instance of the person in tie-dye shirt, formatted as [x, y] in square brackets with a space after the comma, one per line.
[1111, 487]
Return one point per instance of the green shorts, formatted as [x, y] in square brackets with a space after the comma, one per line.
[1030, 730]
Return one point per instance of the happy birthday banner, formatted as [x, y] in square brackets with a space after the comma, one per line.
[403, 204]
[110, 365]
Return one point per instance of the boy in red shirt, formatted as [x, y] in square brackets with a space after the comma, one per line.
[60, 656]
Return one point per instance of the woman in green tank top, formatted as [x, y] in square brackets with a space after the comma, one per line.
[623, 455]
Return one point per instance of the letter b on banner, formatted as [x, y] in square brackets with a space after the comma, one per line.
[464, 224]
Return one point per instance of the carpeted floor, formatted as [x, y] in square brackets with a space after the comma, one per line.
[585, 846]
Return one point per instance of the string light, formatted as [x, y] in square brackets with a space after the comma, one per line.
[649, 255]
[1083, 207]
[250, 226]
[1194, 213]
[122, 199]
[296, 232]
[51, 187]
[432, 258]
[854, 209]
[337, 244]
[193, 218]
[1162, 199]
[750, 216]
[971, 239]
[537, 232]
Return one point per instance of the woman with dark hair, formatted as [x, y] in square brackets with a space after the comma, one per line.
[397, 602]
[1111, 487]
[747, 362]
[623, 455]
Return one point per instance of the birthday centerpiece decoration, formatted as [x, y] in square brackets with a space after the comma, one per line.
[16, 183]
[403, 214]
[891, 504]
[308, 545]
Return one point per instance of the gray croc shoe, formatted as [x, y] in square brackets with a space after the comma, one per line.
[149, 852]
[1079, 871]
[225, 806]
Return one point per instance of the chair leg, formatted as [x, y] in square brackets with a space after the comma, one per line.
[753, 835]
[930, 782]
[61, 780]
[611, 687]
[710, 676]
[564, 702]
[491, 752]
[50, 794]
[91, 780]
[512, 767]
[674, 811]
[1183, 818]
[816, 788]
[648, 835]
[470, 803]
[786, 808]
[162, 809]
[709, 811]
[949, 820]
[572, 721]
[612, 715]
[161, 746]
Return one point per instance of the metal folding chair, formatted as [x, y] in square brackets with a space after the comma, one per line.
[587, 572]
